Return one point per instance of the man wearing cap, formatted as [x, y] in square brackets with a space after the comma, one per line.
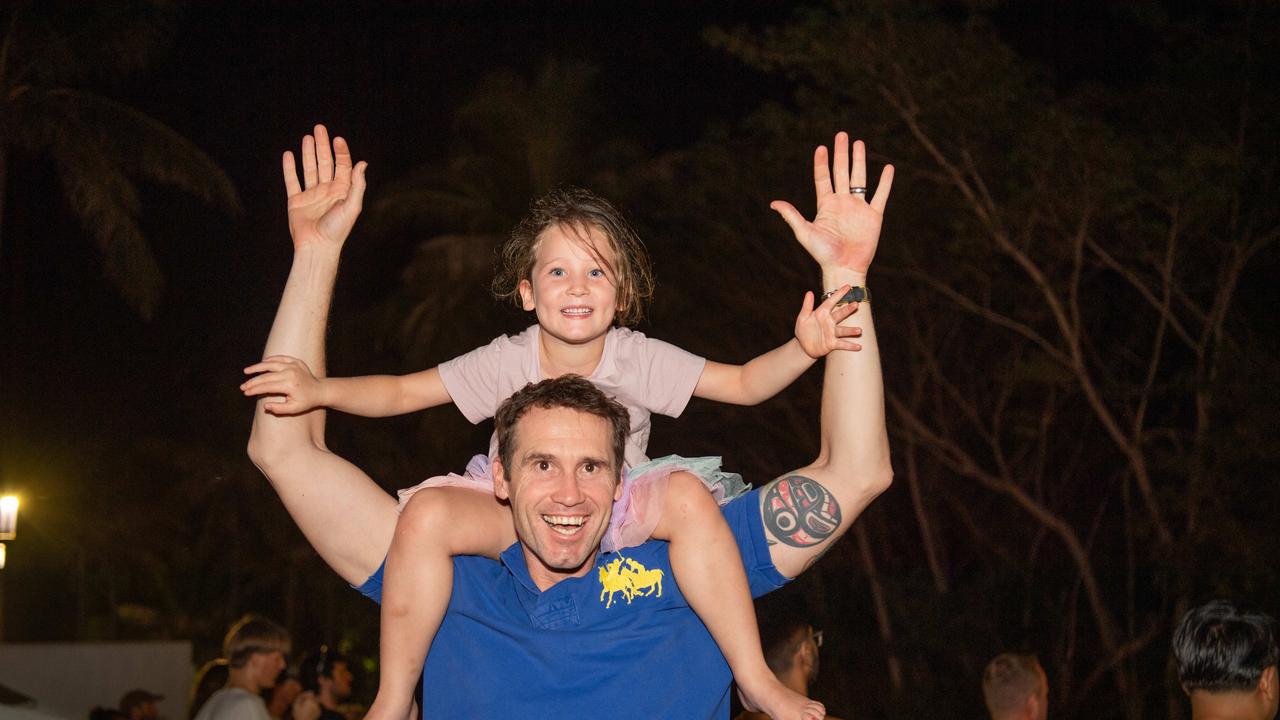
[140, 705]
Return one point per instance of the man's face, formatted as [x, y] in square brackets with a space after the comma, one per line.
[562, 484]
[340, 682]
[266, 667]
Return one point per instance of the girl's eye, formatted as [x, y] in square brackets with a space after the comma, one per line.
[557, 272]
[596, 273]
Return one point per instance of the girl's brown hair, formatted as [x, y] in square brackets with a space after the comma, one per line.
[578, 209]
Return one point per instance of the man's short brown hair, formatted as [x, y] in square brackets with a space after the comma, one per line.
[567, 391]
[1007, 682]
[250, 635]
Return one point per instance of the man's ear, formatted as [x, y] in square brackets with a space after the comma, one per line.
[617, 489]
[500, 480]
[526, 294]
[1267, 684]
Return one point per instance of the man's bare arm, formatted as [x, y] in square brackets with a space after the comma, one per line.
[806, 511]
[345, 516]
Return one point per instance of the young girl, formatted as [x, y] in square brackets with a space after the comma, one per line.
[577, 264]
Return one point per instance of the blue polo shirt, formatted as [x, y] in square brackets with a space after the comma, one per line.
[619, 642]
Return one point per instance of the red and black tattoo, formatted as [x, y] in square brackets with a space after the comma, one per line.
[799, 511]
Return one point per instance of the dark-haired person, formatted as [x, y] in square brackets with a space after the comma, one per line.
[791, 647]
[327, 673]
[557, 628]
[1014, 687]
[255, 648]
[1227, 662]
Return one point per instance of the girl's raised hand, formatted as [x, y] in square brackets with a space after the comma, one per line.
[818, 329]
[845, 232]
[324, 207]
[287, 377]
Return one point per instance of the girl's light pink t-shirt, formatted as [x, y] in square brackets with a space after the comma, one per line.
[645, 375]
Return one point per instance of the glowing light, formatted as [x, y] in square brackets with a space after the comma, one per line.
[8, 517]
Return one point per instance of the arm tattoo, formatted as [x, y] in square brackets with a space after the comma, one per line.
[799, 511]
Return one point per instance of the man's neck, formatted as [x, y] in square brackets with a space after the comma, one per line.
[1243, 705]
[545, 578]
[243, 679]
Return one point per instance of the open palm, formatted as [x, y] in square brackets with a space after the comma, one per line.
[846, 230]
[326, 210]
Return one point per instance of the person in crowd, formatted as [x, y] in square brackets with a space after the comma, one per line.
[1227, 662]
[327, 673]
[280, 697]
[791, 647]
[1015, 687]
[255, 648]
[209, 679]
[140, 704]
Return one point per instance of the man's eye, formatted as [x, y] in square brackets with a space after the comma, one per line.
[590, 467]
[544, 465]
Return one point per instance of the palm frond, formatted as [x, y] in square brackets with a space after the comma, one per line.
[107, 205]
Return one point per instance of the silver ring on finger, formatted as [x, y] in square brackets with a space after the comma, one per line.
[858, 190]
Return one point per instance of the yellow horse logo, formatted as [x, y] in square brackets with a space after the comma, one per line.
[642, 579]
[611, 581]
[630, 581]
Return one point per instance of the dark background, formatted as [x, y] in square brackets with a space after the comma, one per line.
[123, 431]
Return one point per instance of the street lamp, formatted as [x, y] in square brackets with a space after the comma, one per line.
[8, 517]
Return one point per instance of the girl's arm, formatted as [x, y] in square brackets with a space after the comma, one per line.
[817, 333]
[299, 390]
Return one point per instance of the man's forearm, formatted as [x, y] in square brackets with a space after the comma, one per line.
[853, 434]
[299, 331]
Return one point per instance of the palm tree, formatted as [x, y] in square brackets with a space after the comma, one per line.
[98, 145]
[514, 139]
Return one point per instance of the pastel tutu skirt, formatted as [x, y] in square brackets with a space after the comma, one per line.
[644, 487]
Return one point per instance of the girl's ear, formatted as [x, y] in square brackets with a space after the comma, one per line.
[526, 294]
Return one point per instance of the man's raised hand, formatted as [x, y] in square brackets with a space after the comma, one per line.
[324, 206]
[845, 232]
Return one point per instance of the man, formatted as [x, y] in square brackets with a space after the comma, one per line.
[791, 647]
[1227, 662]
[327, 673]
[549, 630]
[254, 648]
[1015, 687]
[140, 705]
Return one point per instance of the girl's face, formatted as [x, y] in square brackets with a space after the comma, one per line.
[572, 292]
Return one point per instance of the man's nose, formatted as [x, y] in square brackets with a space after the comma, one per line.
[567, 491]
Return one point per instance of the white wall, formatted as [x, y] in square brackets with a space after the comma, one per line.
[69, 679]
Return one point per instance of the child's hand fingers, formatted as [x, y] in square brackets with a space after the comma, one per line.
[830, 303]
[851, 331]
[273, 386]
[844, 311]
[847, 345]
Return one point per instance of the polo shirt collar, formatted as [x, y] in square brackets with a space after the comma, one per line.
[557, 607]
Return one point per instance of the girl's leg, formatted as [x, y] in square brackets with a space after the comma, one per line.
[708, 569]
[437, 523]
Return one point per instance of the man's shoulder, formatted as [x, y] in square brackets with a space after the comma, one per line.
[233, 704]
